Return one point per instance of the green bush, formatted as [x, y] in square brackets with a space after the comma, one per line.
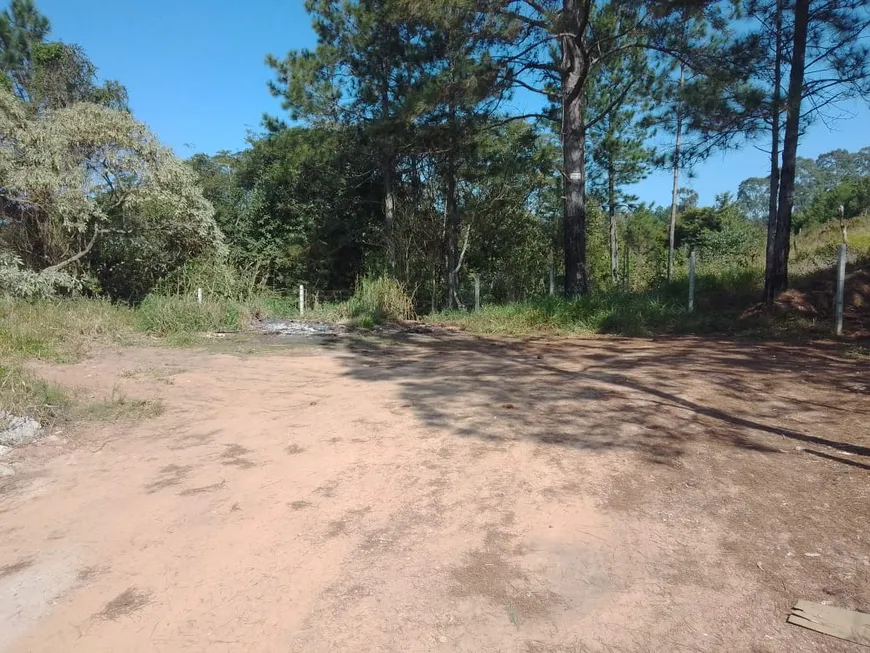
[379, 299]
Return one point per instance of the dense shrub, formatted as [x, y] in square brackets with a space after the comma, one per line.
[379, 299]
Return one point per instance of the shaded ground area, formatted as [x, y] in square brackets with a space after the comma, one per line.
[438, 492]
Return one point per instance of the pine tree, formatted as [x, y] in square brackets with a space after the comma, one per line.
[567, 71]
[361, 72]
[820, 43]
[618, 141]
[22, 29]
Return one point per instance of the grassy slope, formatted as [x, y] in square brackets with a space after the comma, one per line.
[723, 303]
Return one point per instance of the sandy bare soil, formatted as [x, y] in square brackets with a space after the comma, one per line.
[445, 493]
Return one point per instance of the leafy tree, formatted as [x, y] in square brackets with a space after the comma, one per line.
[645, 234]
[570, 28]
[63, 75]
[719, 232]
[361, 72]
[75, 177]
[49, 75]
[853, 195]
[752, 197]
[505, 207]
[456, 98]
[299, 205]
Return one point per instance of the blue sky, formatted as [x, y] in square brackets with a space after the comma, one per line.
[195, 73]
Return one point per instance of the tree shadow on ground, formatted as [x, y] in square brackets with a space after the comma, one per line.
[654, 397]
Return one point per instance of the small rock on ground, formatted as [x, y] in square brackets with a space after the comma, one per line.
[15, 431]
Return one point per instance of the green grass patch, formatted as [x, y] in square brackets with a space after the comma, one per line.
[172, 315]
[23, 394]
[721, 300]
[61, 331]
[624, 314]
[379, 299]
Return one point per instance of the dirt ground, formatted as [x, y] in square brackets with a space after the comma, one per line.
[440, 492]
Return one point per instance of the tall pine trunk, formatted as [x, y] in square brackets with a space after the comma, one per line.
[775, 108]
[611, 210]
[777, 279]
[451, 206]
[672, 226]
[387, 163]
[573, 72]
[451, 235]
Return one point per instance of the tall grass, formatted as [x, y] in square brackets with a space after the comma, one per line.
[169, 315]
[61, 330]
[627, 314]
[23, 394]
[379, 299]
[216, 278]
[720, 299]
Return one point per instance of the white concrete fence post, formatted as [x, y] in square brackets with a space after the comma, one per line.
[477, 291]
[841, 284]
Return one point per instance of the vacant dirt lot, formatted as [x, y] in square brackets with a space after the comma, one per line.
[438, 492]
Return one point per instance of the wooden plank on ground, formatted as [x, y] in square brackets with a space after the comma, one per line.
[845, 624]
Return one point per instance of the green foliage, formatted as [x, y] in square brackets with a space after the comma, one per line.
[62, 75]
[298, 207]
[817, 247]
[753, 198]
[87, 176]
[853, 194]
[719, 233]
[623, 314]
[379, 299]
[23, 394]
[22, 28]
[61, 330]
[48, 75]
[721, 298]
[171, 315]
[18, 281]
[645, 241]
[216, 277]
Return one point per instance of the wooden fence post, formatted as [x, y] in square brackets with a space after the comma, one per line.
[841, 283]
[692, 282]
[552, 279]
[199, 295]
[301, 299]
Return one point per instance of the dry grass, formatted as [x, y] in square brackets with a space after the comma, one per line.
[118, 407]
